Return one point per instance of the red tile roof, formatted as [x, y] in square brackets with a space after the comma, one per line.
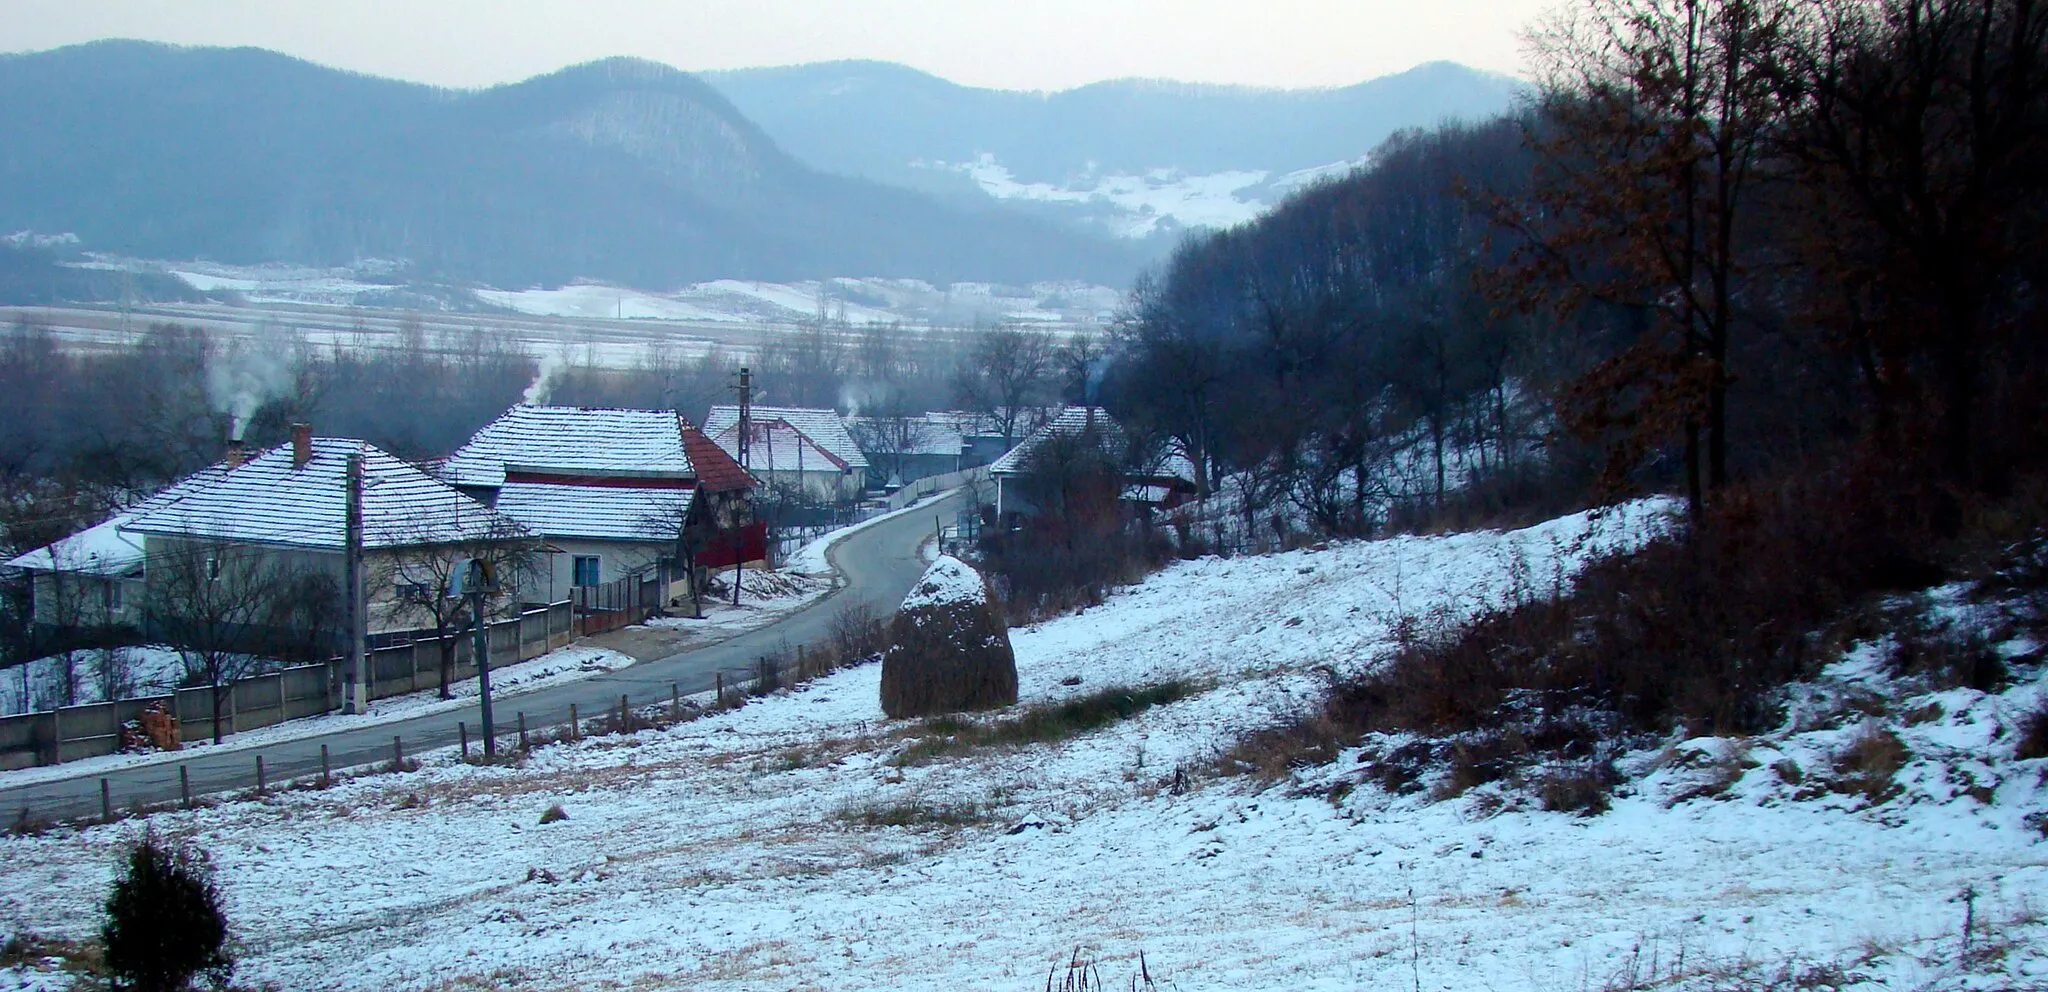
[716, 471]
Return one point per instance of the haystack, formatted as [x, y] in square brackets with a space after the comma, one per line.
[948, 647]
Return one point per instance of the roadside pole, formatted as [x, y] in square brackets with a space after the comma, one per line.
[479, 576]
[356, 695]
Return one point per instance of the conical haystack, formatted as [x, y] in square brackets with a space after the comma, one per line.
[948, 647]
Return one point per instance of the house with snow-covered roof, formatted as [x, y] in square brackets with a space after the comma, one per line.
[286, 509]
[1160, 482]
[797, 449]
[613, 491]
[902, 450]
[92, 579]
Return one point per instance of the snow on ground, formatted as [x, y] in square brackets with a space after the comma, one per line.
[778, 846]
[1141, 201]
[856, 301]
[151, 670]
[765, 597]
[811, 558]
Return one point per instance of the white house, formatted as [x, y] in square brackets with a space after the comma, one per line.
[806, 449]
[609, 489]
[289, 506]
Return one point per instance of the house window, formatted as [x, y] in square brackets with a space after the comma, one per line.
[586, 570]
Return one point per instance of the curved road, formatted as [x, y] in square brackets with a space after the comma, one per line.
[879, 565]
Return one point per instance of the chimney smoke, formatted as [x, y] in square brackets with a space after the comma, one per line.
[302, 445]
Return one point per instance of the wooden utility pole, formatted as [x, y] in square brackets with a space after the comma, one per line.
[479, 579]
[356, 695]
[745, 444]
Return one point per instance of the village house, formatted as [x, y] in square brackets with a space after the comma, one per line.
[615, 493]
[902, 450]
[796, 450]
[1159, 483]
[284, 513]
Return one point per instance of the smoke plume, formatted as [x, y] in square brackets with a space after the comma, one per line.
[246, 377]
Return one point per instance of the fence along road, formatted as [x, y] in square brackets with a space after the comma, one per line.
[879, 564]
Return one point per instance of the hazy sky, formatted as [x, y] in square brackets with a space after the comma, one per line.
[1025, 44]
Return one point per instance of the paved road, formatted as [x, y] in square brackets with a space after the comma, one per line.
[879, 565]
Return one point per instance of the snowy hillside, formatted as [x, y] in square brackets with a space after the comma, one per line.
[804, 841]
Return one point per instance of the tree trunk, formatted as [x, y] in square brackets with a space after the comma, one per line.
[446, 642]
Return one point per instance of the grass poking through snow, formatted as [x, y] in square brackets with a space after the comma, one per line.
[1044, 723]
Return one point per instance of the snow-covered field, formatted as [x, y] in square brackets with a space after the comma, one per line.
[778, 846]
[858, 302]
[855, 300]
[1136, 206]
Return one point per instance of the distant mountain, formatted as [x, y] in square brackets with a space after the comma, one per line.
[1115, 147]
[620, 170]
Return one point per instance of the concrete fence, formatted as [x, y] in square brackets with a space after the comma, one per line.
[92, 730]
[934, 484]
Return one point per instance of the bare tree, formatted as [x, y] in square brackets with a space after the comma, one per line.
[230, 609]
[1918, 132]
[1008, 374]
[427, 583]
[1656, 116]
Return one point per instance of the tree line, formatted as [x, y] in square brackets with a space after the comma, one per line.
[1721, 240]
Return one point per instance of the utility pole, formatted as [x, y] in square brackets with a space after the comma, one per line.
[746, 438]
[356, 695]
[479, 579]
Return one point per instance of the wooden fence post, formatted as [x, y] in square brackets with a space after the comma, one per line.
[575, 730]
[522, 730]
[326, 771]
[463, 729]
[397, 754]
[106, 801]
[185, 786]
[259, 775]
[675, 702]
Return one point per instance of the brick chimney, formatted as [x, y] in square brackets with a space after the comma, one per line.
[237, 454]
[302, 445]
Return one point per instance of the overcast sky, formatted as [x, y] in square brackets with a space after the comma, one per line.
[1023, 44]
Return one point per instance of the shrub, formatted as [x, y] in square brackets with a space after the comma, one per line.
[2033, 728]
[553, 814]
[164, 924]
[1577, 787]
[1867, 765]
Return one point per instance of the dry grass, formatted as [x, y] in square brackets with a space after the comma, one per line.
[916, 814]
[1043, 723]
[2032, 741]
[1869, 765]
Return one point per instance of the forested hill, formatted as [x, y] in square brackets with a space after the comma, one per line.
[875, 119]
[620, 170]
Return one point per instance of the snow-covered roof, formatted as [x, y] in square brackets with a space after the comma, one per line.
[1071, 422]
[96, 550]
[948, 581]
[599, 512]
[930, 434]
[270, 500]
[776, 446]
[572, 441]
[972, 423]
[825, 427]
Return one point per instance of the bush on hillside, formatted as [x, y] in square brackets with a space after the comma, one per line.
[164, 923]
[1695, 633]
